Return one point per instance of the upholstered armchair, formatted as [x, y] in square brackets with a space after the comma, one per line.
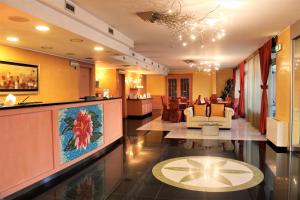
[236, 108]
[214, 98]
[165, 111]
[175, 114]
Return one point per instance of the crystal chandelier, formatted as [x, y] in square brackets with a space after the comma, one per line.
[208, 66]
[187, 28]
[205, 66]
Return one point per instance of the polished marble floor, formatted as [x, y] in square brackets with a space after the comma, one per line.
[126, 171]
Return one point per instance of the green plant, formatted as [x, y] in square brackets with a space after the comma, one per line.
[228, 89]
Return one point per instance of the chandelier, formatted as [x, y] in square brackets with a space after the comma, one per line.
[186, 28]
[208, 66]
[205, 66]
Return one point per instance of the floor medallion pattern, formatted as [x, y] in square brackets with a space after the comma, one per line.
[207, 174]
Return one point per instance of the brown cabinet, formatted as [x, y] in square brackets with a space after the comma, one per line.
[139, 107]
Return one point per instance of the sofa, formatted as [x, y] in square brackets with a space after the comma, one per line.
[198, 121]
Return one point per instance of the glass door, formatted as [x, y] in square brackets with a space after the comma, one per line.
[295, 139]
[185, 87]
[172, 88]
[179, 86]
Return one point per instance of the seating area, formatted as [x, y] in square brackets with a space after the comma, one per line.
[149, 99]
[221, 120]
[214, 111]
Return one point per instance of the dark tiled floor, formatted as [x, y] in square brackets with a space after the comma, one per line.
[125, 173]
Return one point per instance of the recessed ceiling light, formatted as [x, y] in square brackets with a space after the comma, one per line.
[12, 39]
[98, 48]
[76, 40]
[18, 19]
[42, 28]
[193, 37]
[184, 44]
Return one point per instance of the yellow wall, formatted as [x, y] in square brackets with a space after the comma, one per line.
[156, 84]
[107, 80]
[57, 82]
[222, 76]
[213, 82]
[283, 75]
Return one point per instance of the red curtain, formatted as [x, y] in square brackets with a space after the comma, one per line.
[242, 91]
[234, 74]
[265, 60]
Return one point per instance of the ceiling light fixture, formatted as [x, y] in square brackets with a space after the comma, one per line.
[184, 44]
[193, 37]
[42, 28]
[208, 66]
[18, 19]
[12, 39]
[70, 54]
[76, 40]
[185, 25]
[98, 48]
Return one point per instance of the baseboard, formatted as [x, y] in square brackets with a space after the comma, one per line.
[276, 148]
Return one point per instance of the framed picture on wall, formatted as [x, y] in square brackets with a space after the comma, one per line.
[18, 77]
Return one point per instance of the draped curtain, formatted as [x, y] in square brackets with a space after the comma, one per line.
[242, 91]
[237, 84]
[233, 75]
[253, 90]
[265, 59]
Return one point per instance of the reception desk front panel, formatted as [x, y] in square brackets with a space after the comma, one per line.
[37, 142]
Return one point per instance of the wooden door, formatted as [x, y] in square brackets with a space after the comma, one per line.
[179, 86]
[85, 82]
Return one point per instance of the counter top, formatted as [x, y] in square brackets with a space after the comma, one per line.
[54, 103]
[139, 99]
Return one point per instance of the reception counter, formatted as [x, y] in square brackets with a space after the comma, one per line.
[39, 140]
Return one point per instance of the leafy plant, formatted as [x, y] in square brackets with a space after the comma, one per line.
[228, 89]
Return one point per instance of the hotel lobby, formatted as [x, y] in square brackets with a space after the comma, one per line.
[141, 100]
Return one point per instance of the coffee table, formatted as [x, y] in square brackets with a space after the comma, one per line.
[210, 129]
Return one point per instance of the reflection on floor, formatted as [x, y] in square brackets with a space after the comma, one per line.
[241, 130]
[126, 172]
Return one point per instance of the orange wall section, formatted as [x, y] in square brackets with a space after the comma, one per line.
[107, 80]
[156, 84]
[222, 76]
[57, 82]
[283, 76]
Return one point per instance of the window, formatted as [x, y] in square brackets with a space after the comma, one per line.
[296, 94]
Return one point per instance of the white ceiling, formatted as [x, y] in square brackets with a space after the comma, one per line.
[248, 27]
[57, 39]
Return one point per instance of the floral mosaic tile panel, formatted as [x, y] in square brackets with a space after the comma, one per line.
[80, 131]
